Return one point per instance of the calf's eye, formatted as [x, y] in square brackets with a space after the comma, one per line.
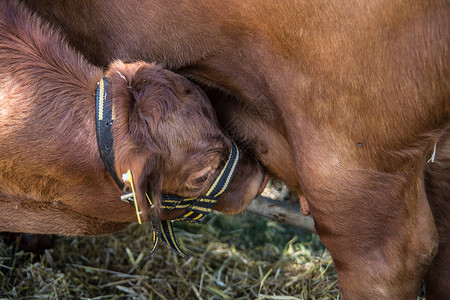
[201, 179]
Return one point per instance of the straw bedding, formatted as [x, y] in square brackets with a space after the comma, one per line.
[231, 257]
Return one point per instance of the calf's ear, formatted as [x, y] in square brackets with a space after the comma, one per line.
[136, 148]
[146, 173]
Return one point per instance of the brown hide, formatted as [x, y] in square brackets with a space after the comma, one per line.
[52, 178]
[437, 184]
[343, 100]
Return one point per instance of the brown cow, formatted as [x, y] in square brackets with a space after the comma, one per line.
[343, 100]
[52, 177]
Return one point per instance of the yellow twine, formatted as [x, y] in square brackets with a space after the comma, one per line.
[130, 179]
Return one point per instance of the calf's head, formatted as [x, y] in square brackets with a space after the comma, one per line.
[167, 134]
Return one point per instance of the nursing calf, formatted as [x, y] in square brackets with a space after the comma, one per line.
[52, 177]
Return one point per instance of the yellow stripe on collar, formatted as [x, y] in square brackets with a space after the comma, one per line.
[101, 87]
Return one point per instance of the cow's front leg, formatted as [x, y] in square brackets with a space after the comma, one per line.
[376, 224]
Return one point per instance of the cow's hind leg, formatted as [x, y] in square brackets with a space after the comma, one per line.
[377, 226]
[437, 183]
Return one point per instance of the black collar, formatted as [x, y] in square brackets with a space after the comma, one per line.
[104, 118]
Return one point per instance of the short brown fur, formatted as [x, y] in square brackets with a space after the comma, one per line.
[343, 100]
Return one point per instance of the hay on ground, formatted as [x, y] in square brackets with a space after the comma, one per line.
[231, 257]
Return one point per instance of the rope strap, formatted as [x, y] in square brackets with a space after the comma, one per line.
[200, 206]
